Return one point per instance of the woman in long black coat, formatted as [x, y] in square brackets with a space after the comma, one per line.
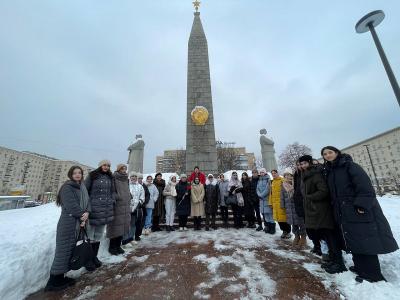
[365, 230]
[248, 203]
[75, 207]
[183, 201]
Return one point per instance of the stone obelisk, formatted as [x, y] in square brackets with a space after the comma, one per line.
[201, 148]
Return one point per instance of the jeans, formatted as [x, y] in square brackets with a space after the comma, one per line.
[149, 217]
[268, 217]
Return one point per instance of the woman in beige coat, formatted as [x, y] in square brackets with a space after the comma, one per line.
[197, 207]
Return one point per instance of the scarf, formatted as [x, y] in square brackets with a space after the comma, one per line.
[172, 188]
[288, 188]
[238, 184]
[85, 205]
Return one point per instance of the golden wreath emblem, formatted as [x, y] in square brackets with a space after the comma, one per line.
[199, 115]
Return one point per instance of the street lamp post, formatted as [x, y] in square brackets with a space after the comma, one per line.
[373, 171]
[368, 23]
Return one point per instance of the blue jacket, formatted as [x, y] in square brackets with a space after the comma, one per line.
[263, 186]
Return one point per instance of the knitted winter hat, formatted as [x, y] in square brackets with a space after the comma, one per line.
[104, 162]
[263, 170]
[306, 158]
[139, 175]
[183, 176]
[120, 166]
[288, 171]
[210, 175]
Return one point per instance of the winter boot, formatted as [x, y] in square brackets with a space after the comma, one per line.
[207, 228]
[337, 266]
[168, 228]
[267, 227]
[95, 248]
[171, 228]
[112, 248]
[317, 248]
[57, 283]
[118, 245]
[302, 242]
[259, 228]
[273, 228]
[296, 240]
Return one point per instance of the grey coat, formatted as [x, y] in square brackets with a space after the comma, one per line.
[154, 193]
[101, 192]
[223, 192]
[122, 209]
[287, 202]
[71, 212]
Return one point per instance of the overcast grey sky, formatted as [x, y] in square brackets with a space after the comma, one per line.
[79, 79]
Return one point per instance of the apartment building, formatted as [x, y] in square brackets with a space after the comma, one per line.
[33, 174]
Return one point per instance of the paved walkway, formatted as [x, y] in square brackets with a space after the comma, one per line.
[224, 264]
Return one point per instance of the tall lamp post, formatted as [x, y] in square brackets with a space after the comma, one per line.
[368, 23]
[373, 171]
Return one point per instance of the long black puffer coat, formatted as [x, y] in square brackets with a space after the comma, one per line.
[298, 196]
[351, 190]
[183, 198]
[211, 197]
[246, 193]
[71, 212]
[101, 192]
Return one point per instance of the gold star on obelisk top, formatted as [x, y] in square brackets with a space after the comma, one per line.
[196, 5]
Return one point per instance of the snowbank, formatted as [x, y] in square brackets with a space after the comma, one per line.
[27, 243]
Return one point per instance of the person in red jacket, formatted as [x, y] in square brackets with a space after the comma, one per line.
[200, 175]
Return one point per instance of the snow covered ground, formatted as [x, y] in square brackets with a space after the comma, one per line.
[27, 243]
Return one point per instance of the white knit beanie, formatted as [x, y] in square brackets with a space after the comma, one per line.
[104, 162]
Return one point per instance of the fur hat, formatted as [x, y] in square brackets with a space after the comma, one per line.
[306, 158]
[104, 162]
[263, 170]
[120, 166]
[132, 173]
[288, 171]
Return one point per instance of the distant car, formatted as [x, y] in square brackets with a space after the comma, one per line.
[31, 203]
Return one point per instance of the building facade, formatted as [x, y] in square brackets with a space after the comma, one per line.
[33, 174]
[384, 153]
[233, 158]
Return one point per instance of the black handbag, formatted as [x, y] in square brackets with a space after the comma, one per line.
[231, 200]
[82, 252]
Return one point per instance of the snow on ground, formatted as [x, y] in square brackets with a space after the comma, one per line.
[27, 243]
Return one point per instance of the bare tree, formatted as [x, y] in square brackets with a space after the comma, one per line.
[227, 159]
[179, 161]
[292, 152]
[259, 162]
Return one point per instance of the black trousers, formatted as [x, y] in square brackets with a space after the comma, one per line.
[156, 223]
[315, 237]
[250, 217]
[285, 227]
[212, 217]
[183, 221]
[368, 266]
[258, 215]
[224, 214]
[139, 223]
[333, 240]
[197, 222]
[237, 215]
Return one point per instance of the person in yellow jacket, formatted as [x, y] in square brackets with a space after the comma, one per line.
[279, 213]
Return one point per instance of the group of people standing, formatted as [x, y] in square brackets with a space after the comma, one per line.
[333, 202]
